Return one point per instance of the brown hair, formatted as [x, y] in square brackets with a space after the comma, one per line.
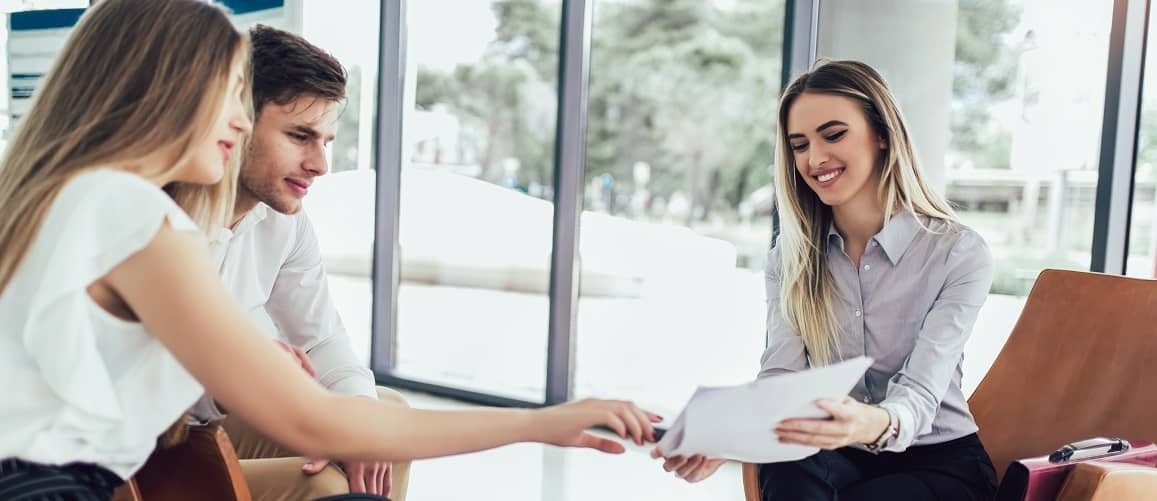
[285, 67]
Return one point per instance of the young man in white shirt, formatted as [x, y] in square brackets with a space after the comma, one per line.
[271, 261]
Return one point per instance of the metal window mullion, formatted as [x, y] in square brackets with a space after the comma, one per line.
[1122, 115]
[388, 161]
[800, 32]
[569, 163]
[801, 27]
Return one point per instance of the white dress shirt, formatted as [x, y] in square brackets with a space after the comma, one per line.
[272, 264]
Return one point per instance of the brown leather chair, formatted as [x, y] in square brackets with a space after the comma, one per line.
[1100, 481]
[1081, 362]
[204, 466]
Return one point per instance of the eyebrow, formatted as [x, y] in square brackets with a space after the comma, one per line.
[311, 132]
[821, 128]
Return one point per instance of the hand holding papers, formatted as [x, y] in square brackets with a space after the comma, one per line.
[736, 422]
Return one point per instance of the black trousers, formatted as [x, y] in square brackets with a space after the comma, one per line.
[25, 481]
[958, 470]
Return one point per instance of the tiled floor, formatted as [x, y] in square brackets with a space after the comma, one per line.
[532, 472]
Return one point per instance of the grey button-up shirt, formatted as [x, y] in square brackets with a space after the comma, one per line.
[910, 306]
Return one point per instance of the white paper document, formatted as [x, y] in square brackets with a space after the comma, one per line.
[737, 422]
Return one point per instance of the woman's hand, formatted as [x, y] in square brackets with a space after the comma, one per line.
[692, 469]
[565, 425]
[851, 423]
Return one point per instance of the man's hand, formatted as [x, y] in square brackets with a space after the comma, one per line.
[370, 478]
[298, 356]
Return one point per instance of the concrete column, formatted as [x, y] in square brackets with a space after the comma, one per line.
[912, 43]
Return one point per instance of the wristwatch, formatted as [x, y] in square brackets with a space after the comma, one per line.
[887, 436]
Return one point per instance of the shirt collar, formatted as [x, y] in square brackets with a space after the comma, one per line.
[898, 234]
[834, 237]
[894, 238]
[255, 215]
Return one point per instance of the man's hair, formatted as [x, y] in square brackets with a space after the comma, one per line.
[286, 67]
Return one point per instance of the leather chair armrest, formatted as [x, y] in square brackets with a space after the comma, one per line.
[203, 466]
[1105, 481]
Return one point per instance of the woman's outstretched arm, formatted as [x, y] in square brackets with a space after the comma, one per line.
[172, 287]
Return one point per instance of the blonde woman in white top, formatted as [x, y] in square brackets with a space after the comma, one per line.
[113, 316]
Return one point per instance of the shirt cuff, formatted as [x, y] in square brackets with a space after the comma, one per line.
[354, 386]
[907, 421]
[206, 409]
[859, 446]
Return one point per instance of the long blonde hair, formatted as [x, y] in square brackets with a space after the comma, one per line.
[136, 80]
[807, 292]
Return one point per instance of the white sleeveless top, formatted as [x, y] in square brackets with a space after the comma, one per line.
[81, 384]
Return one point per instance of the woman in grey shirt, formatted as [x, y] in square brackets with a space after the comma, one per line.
[870, 261]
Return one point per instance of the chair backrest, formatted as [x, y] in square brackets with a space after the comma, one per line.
[204, 466]
[1081, 362]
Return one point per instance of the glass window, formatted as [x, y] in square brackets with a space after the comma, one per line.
[29, 51]
[341, 204]
[676, 223]
[1142, 256]
[1023, 158]
[476, 200]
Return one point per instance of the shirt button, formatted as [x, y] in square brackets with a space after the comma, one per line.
[867, 267]
[858, 313]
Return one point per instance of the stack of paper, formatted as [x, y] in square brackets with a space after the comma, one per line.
[737, 422]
